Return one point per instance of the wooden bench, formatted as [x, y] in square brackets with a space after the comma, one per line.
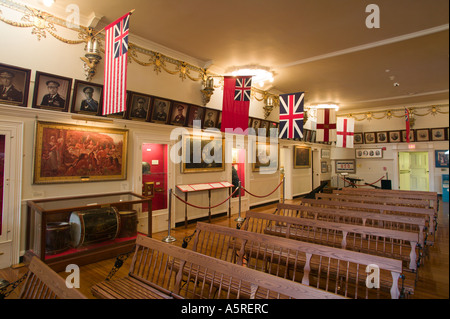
[331, 269]
[164, 271]
[425, 213]
[356, 217]
[44, 283]
[375, 241]
[431, 197]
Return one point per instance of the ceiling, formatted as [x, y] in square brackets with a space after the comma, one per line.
[322, 47]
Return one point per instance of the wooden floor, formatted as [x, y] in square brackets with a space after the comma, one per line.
[433, 280]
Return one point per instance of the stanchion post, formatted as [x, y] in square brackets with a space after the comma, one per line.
[239, 219]
[284, 188]
[169, 238]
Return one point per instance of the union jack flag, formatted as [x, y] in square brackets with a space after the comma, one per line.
[291, 115]
[242, 91]
[116, 48]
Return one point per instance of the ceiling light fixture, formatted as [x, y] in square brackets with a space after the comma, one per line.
[48, 3]
[260, 74]
[325, 106]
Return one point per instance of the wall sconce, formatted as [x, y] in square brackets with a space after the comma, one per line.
[268, 105]
[208, 91]
[92, 56]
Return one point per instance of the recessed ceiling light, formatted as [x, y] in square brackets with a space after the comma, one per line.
[48, 3]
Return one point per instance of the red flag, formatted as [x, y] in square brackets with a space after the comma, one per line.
[236, 102]
[407, 124]
[116, 49]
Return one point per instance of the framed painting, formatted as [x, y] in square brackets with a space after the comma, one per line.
[345, 166]
[148, 189]
[382, 137]
[423, 135]
[66, 153]
[370, 138]
[87, 98]
[51, 92]
[411, 136]
[394, 136]
[302, 157]
[211, 117]
[266, 159]
[160, 111]
[202, 154]
[219, 120]
[358, 138]
[196, 113]
[323, 167]
[325, 153]
[139, 106]
[369, 153]
[178, 114]
[438, 134]
[14, 85]
[441, 158]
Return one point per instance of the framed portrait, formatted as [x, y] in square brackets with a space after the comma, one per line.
[87, 98]
[411, 136]
[139, 106]
[266, 158]
[345, 166]
[394, 136]
[178, 114]
[438, 134]
[325, 153]
[202, 154]
[160, 111]
[51, 92]
[196, 113]
[255, 124]
[307, 135]
[369, 153]
[14, 85]
[370, 138]
[148, 189]
[422, 135]
[210, 120]
[382, 137]
[66, 153]
[323, 167]
[358, 138]
[219, 120]
[302, 157]
[441, 158]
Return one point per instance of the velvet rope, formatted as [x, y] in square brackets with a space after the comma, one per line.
[265, 195]
[208, 207]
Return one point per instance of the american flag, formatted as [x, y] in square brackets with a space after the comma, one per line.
[116, 48]
[291, 115]
[407, 125]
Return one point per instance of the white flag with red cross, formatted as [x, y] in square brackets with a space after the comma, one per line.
[345, 132]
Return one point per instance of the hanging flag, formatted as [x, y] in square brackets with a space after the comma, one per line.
[407, 124]
[345, 132]
[326, 125]
[291, 115]
[236, 102]
[116, 48]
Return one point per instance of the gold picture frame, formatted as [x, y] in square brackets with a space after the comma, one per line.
[67, 153]
[204, 161]
[263, 161]
[302, 157]
[148, 189]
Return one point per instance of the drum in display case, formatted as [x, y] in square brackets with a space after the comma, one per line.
[93, 226]
[57, 237]
[128, 224]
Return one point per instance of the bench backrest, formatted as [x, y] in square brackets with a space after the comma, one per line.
[355, 217]
[299, 261]
[183, 273]
[44, 283]
[375, 200]
[384, 242]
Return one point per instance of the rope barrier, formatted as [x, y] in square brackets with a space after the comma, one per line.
[208, 207]
[265, 195]
[346, 180]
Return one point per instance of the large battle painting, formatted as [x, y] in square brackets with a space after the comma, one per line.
[71, 153]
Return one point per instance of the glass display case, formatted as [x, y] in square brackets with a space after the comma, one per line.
[84, 229]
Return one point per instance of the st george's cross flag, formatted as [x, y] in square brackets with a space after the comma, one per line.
[326, 125]
[345, 132]
[408, 128]
[291, 115]
[236, 103]
[116, 49]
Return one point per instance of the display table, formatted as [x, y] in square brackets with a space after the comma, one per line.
[188, 188]
[60, 211]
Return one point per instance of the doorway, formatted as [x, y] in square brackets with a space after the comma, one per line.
[154, 174]
[414, 171]
[238, 167]
[316, 169]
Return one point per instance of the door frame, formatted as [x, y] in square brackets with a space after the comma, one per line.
[15, 132]
[396, 171]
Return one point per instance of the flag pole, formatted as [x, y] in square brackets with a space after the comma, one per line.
[131, 12]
